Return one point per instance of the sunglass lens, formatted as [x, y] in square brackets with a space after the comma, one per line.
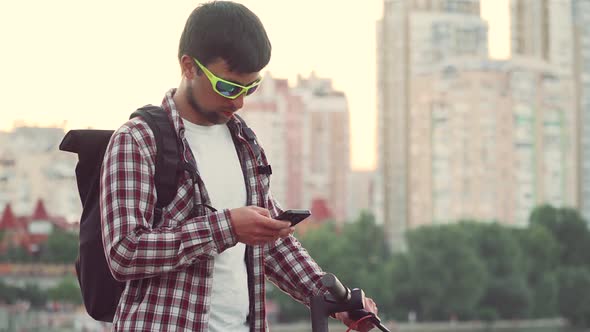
[227, 89]
[251, 90]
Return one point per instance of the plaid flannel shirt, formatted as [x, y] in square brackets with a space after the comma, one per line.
[168, 268]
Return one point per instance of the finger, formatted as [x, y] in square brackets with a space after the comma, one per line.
[370, 305]
[373, 306]
[260, 211]
[366, 326]
[341, 316]
[261, 240]
[262, 232]
[286, 232]
[274, 224]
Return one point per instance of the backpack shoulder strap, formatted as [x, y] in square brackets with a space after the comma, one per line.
[258, 151]
[249, 134]
[167, 156]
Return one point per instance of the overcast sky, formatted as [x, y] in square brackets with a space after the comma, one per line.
[90, 63]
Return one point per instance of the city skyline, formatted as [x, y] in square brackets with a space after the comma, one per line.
[93, 67]
[463, 136]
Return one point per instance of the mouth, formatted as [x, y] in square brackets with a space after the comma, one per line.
[227, 114]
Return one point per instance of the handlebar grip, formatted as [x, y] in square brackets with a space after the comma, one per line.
[336, 288]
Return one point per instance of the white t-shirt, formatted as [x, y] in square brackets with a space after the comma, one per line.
[219, 167]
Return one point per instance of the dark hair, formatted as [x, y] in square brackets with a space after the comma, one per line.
[227, 30]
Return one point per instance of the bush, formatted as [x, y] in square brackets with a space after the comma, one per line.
[574, 295]
[487, 314]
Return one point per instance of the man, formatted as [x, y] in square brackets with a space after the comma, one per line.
[202, 268]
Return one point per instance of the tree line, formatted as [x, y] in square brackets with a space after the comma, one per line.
[61, 247]
[66, 291]
[466, 270]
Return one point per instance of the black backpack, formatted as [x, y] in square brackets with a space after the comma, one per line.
[100, 291]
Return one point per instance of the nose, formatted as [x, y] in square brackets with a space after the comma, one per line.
[238, 103]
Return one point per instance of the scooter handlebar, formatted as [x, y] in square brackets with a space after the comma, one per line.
[340, 292]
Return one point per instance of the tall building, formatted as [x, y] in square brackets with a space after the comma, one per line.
[543, 29]
[360, 198]
[276, 114]
[305, 133]
[488, 141]
[581, 11]
[326, 145]
[556, 32]
[413, 37]
[32, 168]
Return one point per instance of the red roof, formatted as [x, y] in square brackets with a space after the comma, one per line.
[9, 221]
[62, 223]
[40, 211]
[20, 234]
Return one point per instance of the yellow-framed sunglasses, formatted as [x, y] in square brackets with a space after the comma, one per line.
[225, 88]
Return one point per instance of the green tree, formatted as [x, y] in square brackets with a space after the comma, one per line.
[445, 273]
[570, 231]
[61, 247]
[66, 291]
[540, 249]
[34, 295]
[498, 248]
[545, 295]
[362, 255]
[505, 263]
[510, 297]
[16, 255]
[574, 295]
[8, 294]
[542, 260]
[404, 294]
[544, 215]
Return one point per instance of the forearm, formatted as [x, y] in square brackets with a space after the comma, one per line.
[289, 266]
[144, 252]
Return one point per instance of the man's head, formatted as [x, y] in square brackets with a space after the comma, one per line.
[222, 50]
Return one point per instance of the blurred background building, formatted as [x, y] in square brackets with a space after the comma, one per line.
[413, 38]
[581, 36]
[461, 136]
[305, 132]
[32, 168]
[488, 142]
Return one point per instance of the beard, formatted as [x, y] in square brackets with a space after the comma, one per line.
[211, 116]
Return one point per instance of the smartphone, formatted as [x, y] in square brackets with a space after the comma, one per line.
[294, 216]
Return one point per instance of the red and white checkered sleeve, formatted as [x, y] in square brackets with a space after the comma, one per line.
[288, 265]
[127, 200]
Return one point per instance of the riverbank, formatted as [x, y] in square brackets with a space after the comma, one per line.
[538, 325]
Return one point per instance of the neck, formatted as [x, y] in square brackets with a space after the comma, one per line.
[183, 107]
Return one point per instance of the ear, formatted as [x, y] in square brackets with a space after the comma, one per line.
[188, 67]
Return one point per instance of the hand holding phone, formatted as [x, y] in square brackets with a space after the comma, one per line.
[294, 216]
